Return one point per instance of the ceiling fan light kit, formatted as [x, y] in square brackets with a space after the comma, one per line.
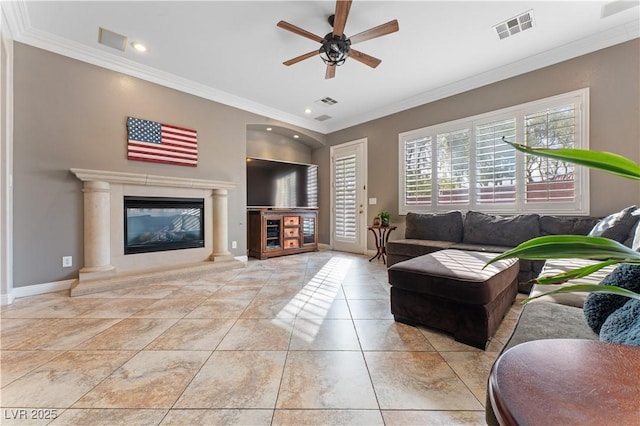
[335, 47]
[334, 50]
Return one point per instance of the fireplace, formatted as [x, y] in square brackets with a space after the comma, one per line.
[107, 267]
[159, 224]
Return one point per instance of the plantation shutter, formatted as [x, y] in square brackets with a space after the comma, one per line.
[418, 171]
[453, 167]
[495, 171]
[345, 198]
[549, 180]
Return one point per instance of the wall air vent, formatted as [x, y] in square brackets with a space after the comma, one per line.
[111, 39]
[515, 25]
[326, 101]
[323, 117]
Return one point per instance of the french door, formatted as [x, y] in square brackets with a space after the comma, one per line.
[348, 195]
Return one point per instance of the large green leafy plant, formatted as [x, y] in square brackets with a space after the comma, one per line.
[607, 252]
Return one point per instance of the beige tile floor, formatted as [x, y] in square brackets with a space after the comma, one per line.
[304, 339]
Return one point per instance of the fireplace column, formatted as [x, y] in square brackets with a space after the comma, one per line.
[97, 227]
[220, 224]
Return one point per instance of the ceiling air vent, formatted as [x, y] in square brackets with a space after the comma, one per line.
[111, 39]
[327, 101]
[618, 6]
[323, 117]
[515, 25]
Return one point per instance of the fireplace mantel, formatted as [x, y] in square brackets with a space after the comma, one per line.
[87, 175]
[105, 264]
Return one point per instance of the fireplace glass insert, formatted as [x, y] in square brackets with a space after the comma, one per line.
[160, 224]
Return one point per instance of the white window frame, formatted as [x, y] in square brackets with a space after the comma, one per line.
[581, 205]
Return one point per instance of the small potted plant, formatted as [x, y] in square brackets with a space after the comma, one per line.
[385, 216]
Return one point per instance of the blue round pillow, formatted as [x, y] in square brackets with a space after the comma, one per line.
[598, 306]
[623, 326]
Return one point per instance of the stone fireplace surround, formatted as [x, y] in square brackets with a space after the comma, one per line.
[106, 267]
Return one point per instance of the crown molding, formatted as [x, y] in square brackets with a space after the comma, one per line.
[611, 37]
[16, 16]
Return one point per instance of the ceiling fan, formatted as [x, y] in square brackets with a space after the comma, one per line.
[335, 47]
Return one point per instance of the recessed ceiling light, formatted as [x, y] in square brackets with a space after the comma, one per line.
[139, 46]
[307, 111]
[296, 136]
[269, 129]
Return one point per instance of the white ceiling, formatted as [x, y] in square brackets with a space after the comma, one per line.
[232, 51]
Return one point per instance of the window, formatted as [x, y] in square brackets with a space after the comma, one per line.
[465, 164]
[417, 154]
[345, 197]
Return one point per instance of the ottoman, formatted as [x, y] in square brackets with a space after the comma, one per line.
[449, 290]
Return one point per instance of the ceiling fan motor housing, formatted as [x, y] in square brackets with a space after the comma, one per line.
[335, 50]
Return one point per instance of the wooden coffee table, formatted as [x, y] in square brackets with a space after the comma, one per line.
[566, 382]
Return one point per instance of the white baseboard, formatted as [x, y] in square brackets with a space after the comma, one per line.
[6, 299]
[34, 290]
[322, 246]
[243, 259]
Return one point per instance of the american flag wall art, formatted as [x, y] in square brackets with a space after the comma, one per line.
[161, 143]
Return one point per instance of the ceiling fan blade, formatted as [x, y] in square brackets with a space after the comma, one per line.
[364, 58]
[301, 58]
[331, 72]
[297, 30]
[380, 30]
[340, 17]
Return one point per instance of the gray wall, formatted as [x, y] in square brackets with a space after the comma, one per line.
[70, 114]
[613, 76]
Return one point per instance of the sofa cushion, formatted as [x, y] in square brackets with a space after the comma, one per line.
[414, 248]
[558, 266]
[598, 306]
[441, 227]
[616, 226]
[544, 320]
[481, 247]
[623, 326]
[566, 225]
[480, 228]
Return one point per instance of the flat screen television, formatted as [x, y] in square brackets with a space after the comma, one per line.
[281, 185]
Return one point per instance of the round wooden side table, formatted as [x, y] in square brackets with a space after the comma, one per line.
[566, 382]
[381, 235]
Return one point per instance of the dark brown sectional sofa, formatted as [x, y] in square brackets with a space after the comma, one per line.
[558, 316]
[476, 231]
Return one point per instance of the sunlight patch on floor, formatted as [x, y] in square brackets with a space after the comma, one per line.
[315, 299]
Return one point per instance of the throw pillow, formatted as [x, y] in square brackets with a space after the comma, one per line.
[635, 244]
[490, 230]
[623, 326]
[598, 306]
[438, 227]
[616, 226]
